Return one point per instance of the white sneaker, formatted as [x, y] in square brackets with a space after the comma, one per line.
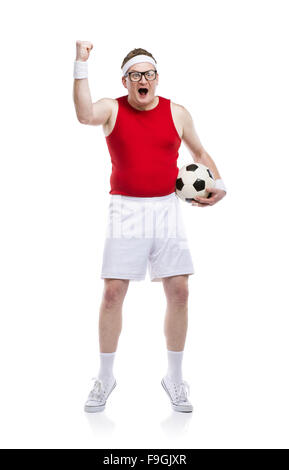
[99, 394]
[178, 394]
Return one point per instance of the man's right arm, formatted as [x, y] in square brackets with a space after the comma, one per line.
[86, 111]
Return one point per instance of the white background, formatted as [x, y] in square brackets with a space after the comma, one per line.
[227, 63]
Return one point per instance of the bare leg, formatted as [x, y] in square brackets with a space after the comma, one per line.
[110, 316]
[176, 319]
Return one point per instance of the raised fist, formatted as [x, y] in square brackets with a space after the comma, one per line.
[83, 49]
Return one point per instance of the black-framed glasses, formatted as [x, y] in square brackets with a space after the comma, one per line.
[137, 76]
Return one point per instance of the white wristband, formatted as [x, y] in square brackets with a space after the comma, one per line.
[220, 184]
[80, 69]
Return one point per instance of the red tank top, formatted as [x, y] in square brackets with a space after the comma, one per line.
[143, 147]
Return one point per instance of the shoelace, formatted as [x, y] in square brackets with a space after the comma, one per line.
[183, 392]
[97, 390]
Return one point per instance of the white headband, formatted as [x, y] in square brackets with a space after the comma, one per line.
[136, 60]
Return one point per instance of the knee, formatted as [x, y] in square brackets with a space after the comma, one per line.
[113, 295]
[178, 294]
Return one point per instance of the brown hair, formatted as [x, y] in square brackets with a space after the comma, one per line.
[135, 52]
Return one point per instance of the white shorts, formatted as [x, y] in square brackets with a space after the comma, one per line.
[145, 231]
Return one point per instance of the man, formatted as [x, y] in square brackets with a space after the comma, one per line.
[143, 133]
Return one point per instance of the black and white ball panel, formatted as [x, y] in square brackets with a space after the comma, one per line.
[193, 180]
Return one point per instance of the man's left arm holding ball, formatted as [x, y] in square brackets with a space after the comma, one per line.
[193, 143]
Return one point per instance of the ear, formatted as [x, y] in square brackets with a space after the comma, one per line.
[123, 79]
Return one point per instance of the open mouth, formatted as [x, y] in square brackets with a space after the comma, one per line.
[143, 91]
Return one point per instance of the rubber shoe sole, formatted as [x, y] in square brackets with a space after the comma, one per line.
[97, 409]
[181, 408]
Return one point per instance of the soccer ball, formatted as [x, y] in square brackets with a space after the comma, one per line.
[192, 181]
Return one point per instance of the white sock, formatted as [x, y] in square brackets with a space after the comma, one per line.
[175, 365]
[106, 366]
